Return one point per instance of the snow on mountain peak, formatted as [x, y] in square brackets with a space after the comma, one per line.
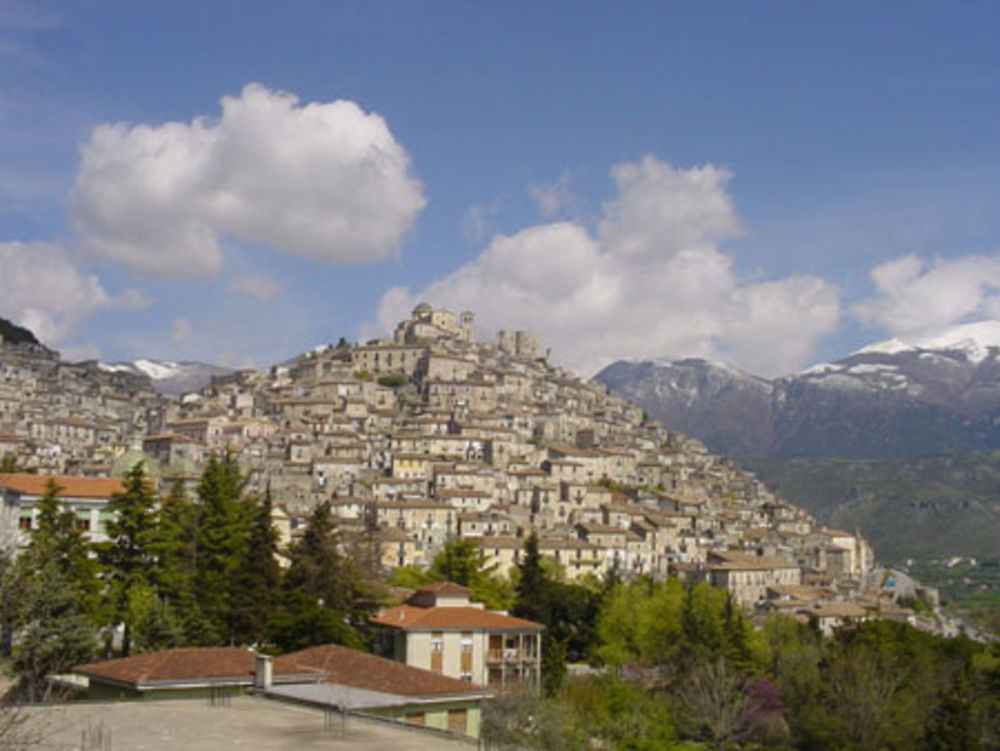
[974, 340]
[157, 369]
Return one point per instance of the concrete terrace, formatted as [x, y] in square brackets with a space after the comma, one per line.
[244, 722]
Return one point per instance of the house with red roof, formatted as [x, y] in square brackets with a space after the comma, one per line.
[440, 630]
[87, 497]
[330, 677]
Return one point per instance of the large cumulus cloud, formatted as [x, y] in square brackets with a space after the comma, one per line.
[915, 296]
[327, 181]
[650, 281]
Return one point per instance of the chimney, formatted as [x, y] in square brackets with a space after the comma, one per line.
[262, 671]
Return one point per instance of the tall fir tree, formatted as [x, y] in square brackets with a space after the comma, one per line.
[532, 584]
[173, 548]
[324, 598]
[534, 602]
[256, 587]
[220, 545]
[127, 558]
[59, 540]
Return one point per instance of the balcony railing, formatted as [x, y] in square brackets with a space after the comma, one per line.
[510, 654]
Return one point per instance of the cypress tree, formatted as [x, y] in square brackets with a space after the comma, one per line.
[532, 585]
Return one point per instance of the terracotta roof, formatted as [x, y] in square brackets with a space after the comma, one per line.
[410, 618]
[179, 665]
[71, 487]
[444, 588]
[349, 667]
[736, 560]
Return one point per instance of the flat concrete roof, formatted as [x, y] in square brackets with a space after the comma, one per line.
[246, 722]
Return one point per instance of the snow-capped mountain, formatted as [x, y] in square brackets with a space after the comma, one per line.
[939, 392]
[169, 377]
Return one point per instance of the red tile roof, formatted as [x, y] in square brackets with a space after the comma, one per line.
[410, 618]
[444, 588]
[70, 487]
[349, 667]
[183, 664]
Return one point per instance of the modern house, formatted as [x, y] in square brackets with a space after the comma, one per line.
[440, 630]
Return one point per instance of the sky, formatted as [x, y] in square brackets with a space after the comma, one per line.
[767, 184]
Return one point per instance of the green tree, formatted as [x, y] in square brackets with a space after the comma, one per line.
[221, 535]
[56, 634]
[172, 547]
[58, 539]
[462, 561]
[532, 583]
[325, 598]
[256, 587]
[127, 558]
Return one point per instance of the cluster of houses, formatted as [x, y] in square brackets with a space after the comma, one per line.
[429, 436]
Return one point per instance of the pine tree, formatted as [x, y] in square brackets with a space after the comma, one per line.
[256, 586]
[173, 548]
[127, 558]
[532, 585]
[57, 540]
[220, 541]
[324, 598]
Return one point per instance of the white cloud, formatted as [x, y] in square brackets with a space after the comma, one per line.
[322, 180]
[553, 197]
[41, 288]
[256, 285]
[914, 295]
[180, 330]
[650, 282]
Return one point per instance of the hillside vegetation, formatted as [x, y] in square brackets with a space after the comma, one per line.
[923, 507]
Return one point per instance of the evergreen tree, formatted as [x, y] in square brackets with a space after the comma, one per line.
[127, 557]
[173, 548]
[58, 540]
[318, 567]
[532, 584]
[322, 588]
[462, 561]
[535, 593]
[220, 542]
[256, 586]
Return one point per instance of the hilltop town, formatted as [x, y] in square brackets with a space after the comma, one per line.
[433, 435]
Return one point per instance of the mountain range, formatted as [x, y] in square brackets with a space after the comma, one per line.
[167, 377]
[900, 439]
[891, 399]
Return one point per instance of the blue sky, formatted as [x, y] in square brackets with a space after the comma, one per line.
[770, 184]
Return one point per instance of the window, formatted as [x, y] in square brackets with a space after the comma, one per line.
[24, 523]
[437, 642]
